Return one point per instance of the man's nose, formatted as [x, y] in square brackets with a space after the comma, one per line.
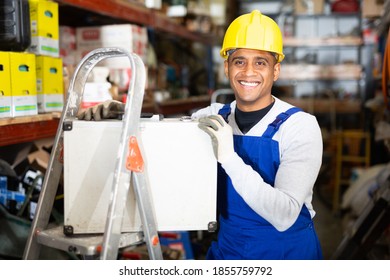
[249, 69]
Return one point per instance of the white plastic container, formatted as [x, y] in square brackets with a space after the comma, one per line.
[179, 161]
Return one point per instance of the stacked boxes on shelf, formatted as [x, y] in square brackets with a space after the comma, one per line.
[44, 28]
[68, 46]
[130, 37]
[23, 84]
[49, 84]
[43, 63]
[18, 90]
[5, 86]
[31, 75]
[45, 45]
[17, 69]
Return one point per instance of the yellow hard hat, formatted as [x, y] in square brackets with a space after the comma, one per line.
[253, 31]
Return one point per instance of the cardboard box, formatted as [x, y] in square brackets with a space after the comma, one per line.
[179, 162]
[50, 88]
[39, 155]
[153, 4]
[95, 93]
[68, 45]
[140, 41]
[5, 86]
[45, 144]
[313, 7]
[39, 160]
[44, 28]
[130, 37]
[372, 8]
[91, 38]
[23, 84]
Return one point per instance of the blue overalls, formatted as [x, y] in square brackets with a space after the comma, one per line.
[243, 234]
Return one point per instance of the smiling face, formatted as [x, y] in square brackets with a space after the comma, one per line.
[252, 74]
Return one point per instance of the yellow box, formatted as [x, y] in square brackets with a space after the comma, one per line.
[5, 86]
[50, 88]
[23, 84]
[44, 28]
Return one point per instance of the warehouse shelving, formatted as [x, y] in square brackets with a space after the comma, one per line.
[25, 129]
[324, 52]
[323, 63]
[328, 66]
[135, 13]
[29, 128]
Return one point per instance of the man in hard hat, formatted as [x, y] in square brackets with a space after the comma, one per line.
[269, 153]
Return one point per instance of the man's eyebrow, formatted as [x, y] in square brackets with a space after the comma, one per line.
[262, 58]
[257, 58]
[238, 57]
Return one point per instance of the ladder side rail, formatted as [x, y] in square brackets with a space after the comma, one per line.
[46, 200]
[145, 207]
[141, 183]
[123, 174]
[55, 165]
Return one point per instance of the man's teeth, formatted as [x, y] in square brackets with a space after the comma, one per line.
[251, 84]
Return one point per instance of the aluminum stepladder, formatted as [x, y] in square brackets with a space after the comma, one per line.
[129, 171]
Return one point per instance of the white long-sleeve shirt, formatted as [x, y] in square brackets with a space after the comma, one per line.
[300, 150]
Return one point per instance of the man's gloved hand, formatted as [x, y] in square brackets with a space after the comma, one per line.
[110, 109]
[221, 136]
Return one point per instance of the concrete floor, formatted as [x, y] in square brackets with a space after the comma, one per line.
[328, 226]
[332, 229]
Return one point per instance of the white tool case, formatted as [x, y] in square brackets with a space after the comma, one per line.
[180, 166]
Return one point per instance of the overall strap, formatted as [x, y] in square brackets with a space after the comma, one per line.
[225, 111]
[281, 118]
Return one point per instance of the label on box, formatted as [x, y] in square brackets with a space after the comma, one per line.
[24, 105]
[44, 46]
[50, 102]
[5, 106]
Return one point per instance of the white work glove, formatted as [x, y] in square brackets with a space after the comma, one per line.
[221, 136]
[110, 109]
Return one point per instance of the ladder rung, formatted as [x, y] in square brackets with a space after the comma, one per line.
[86, 244]
[356, 159]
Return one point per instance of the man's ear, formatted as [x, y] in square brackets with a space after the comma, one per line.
[276, 71]
[226, 66]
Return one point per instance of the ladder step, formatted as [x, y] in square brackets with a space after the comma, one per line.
[85, 244]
